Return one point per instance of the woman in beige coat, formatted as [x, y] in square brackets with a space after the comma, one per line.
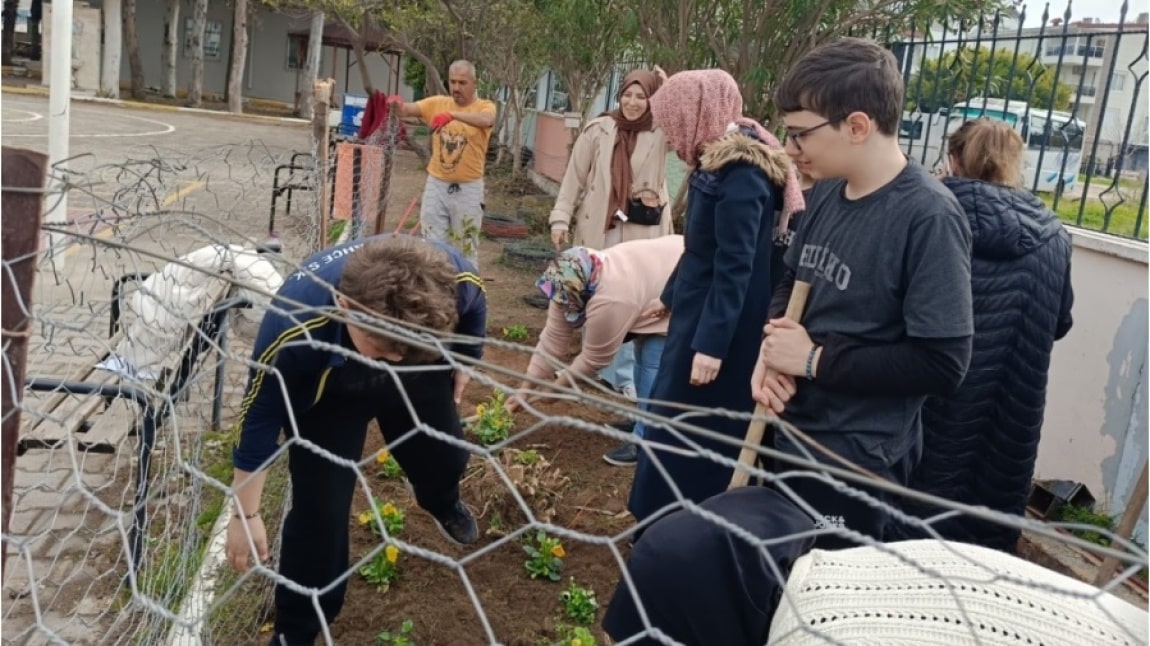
[615, 190]
[618, 163]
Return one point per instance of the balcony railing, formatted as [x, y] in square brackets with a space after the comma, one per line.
[1088, 51]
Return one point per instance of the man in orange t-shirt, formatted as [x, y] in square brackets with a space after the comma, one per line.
[452, 209]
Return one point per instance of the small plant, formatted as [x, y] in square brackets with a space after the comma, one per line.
[388, 467]
[402, 637]
[573, 636]
[383, 569]
[515, 333]
[1084, 516]
[464, 239]
[392, 517]
[492, 422]
[579, 603]
[528, 458]
[335, 230]
[546, 557]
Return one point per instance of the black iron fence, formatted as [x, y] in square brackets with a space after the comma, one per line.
[1074, 89]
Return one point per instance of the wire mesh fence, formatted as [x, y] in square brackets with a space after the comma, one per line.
[140, 350]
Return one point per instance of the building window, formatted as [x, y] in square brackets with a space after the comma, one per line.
[213, 32]
[297, 52]
[1117, 81]
[557, 100]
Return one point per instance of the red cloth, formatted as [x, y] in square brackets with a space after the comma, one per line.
[375, 117]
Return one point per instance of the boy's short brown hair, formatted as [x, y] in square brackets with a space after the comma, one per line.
[404, 279]
[845, 76]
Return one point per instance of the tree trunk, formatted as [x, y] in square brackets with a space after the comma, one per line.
[360, 54]
[239, 57]
[171, 49]
[113, 45]
[132, 42]
[35, 17]
[517, 135]
[9, 30]
[196, 38]
[311, 67]
[432, 81]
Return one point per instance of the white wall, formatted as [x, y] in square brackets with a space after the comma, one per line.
[1096, 405]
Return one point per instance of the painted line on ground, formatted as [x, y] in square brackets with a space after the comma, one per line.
[107, 231]
[166, 128]
[35, 116]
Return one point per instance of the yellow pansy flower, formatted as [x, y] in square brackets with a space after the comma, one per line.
[392, 554]
[364, 518]
[558, 552]
[388, 510]
[382, 456]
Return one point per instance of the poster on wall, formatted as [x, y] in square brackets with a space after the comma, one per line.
[213, 32]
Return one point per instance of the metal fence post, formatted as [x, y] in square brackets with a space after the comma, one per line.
[22, 202]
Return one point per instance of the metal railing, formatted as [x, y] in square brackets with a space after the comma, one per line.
[1086, 159]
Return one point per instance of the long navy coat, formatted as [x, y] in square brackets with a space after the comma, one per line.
[718, 298]
[980, 444]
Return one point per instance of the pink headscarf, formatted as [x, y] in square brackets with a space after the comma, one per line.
[694, 108]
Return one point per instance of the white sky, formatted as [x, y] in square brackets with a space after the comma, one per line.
[1104, 10]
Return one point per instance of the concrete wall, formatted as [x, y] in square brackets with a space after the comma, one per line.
[87, 27]
[1096, 407]
[551, 141]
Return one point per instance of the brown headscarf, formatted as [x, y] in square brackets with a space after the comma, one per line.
[626, 137]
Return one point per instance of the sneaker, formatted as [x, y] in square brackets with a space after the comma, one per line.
[624, 455]
[629, 393]
[626, 426]
[457, 524]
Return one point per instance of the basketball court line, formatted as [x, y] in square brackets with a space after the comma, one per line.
[159, 127]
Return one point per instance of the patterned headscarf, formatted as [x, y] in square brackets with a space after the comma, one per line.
[570, 280]
[694, 108]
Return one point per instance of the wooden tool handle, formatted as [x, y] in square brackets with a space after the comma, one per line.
[758, 426]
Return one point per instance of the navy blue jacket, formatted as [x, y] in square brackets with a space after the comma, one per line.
[980, 444]
[718, 297]
[291, 339]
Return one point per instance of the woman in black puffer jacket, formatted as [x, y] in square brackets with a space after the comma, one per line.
[980, 444]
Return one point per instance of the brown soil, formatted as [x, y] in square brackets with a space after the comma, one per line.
[579, 492]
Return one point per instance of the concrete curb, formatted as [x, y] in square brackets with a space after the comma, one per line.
[158, 107]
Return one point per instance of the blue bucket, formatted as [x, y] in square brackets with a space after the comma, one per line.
[353, 107]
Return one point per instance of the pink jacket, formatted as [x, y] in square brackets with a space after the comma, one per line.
[633, 276]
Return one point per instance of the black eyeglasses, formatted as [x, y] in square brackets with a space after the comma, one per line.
[796, 137]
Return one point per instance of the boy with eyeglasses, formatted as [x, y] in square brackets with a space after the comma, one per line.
[886, 250]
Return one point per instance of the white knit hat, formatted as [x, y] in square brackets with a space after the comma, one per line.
[944, 593]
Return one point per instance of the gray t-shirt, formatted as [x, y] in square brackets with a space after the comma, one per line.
[891, 265]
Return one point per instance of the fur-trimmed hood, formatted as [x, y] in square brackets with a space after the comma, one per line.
[741, 147]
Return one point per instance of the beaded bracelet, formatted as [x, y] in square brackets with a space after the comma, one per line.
[811, 361]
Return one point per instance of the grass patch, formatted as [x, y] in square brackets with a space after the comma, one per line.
[182, 510]
[1104, 522]
[1119, 219]
[1100, 180]
[242, 610]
